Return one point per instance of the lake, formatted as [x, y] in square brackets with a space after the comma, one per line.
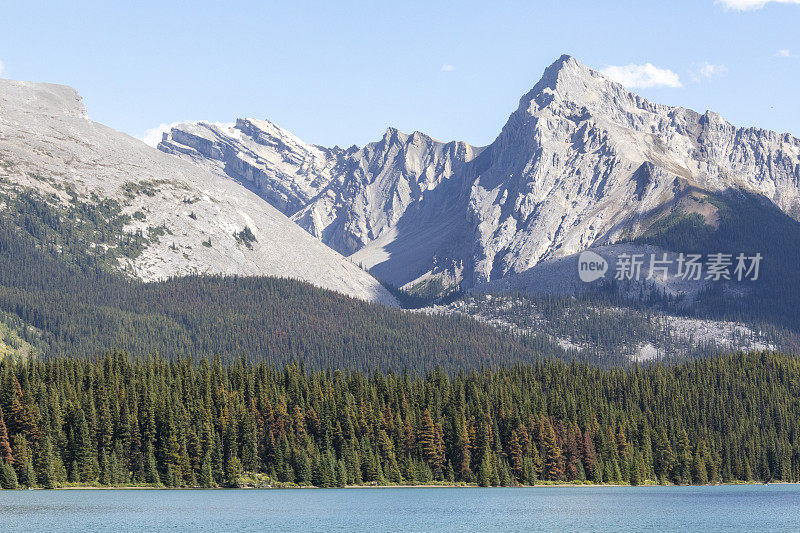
[723, 508]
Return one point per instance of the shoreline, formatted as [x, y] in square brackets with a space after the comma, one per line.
[405, 486]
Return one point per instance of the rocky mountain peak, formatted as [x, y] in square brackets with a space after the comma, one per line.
[393, 136]
[562, 70]
[565, 79]
[268, 133]
[41, 98]
[581, 162]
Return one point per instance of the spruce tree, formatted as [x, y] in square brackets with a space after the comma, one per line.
[8, 476]
[6, 456]
[554, 460]
[233, 472]
[45, 463]
[486, 471]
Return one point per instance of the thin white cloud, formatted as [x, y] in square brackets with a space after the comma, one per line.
[752, 5]
[448, 67]
[783, 53]
[642, 76]
[153, 136]
[1, 67]
[708, 70]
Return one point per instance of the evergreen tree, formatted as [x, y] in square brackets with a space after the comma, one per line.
[554, 460]
[151, 466]
[45, 467]
[699, 472]
[486, 471]
[233, 472]
[665, 459]
[8, 477]
[684, 462]
[5, 447]
[515, 456]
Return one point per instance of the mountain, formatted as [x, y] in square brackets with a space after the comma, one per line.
[398, 188]
[78, 186]
[50, 306]
[347, 198]
[582, 162]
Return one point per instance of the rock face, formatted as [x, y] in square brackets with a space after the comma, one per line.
[50, 147]
[284, 170]
[347, 198]
[581, 162]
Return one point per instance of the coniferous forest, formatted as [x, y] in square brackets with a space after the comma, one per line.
[72, 416]
[62, 299]
[119, 420]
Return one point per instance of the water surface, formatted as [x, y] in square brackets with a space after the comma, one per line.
[725, 508]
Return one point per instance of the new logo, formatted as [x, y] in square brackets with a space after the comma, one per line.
[591, 266]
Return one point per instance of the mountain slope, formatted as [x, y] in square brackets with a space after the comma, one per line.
[581, 162]
[347, 198]
[182, 219]
[54, 303]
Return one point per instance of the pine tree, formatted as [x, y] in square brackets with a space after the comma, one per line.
[685, 458]
[306, 470]
[83, 451]
[635, 472]
[589, 456]
[554, 460]
[45, 467]
[428, 442]
[341, 473]
[15, 412]
[28, 474]
[515, 456]
[486, 471]
[8, 477]
[151, 474]
[699, 473]
[5, 447]
[464, 447]
[233, 471]
[665, 459]
[450, 474]
[22, 415]
[623, 453]
[249, 442]
[206, 478]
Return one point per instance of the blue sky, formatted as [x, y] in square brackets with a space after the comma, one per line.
[341, 72]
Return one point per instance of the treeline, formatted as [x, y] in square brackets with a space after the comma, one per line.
[121, 421]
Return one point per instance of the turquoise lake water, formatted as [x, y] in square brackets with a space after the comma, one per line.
[724, 508]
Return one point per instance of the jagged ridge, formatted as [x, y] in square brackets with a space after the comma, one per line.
[581, 162]
[191, 220]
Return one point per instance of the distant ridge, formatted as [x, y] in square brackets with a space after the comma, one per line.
[581, 162]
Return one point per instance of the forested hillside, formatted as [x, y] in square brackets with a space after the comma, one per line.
[60, 295]
[741, 223]
[117, 421]
[606, 326]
